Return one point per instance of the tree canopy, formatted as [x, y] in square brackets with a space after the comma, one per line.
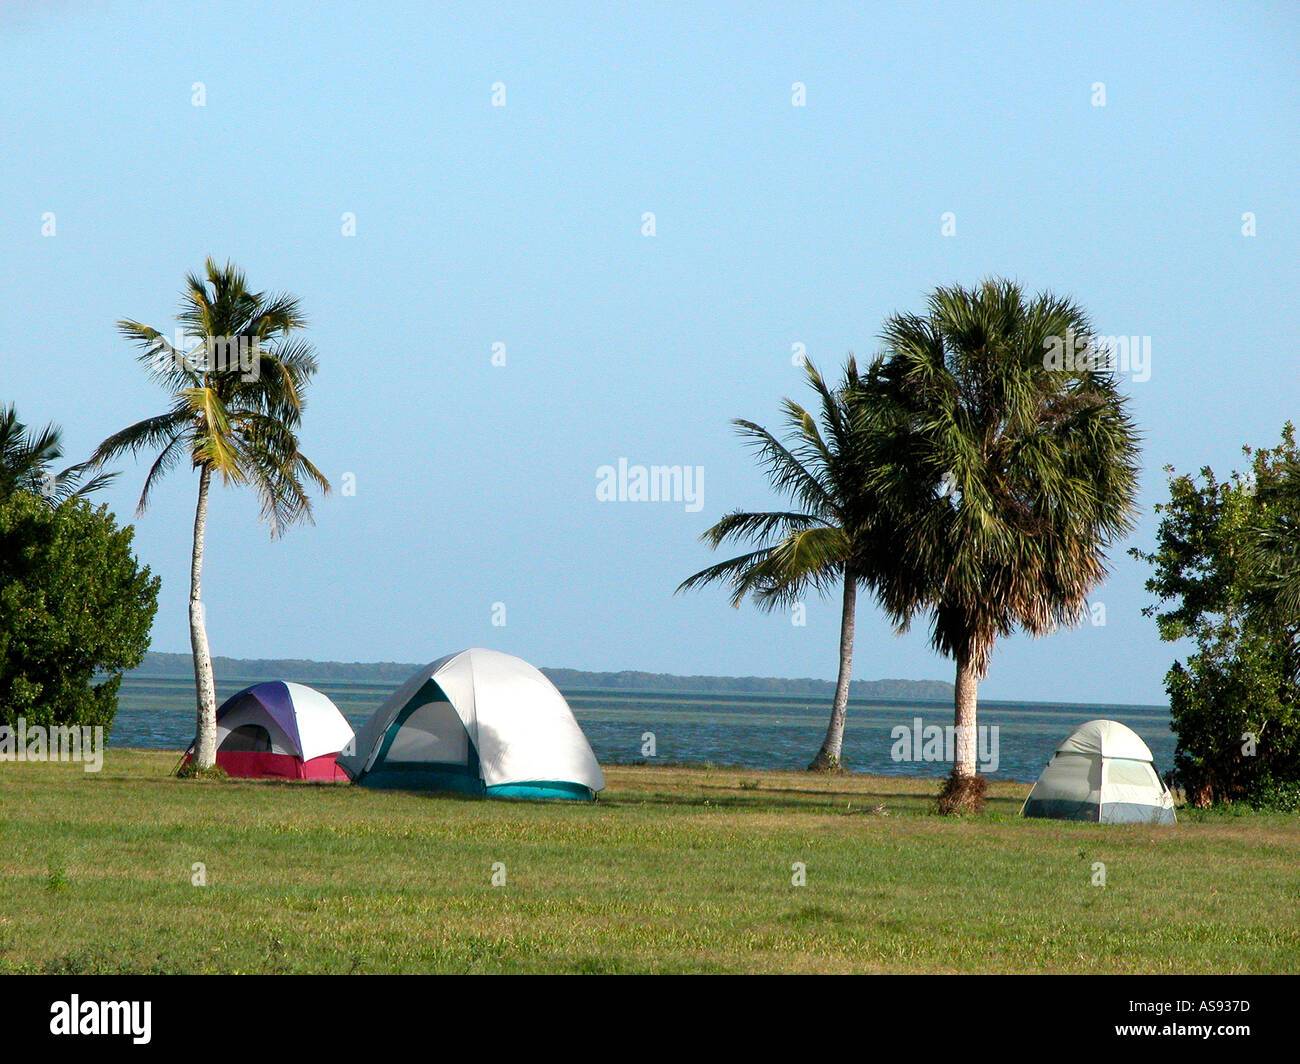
[76, 608]
[1224, 577]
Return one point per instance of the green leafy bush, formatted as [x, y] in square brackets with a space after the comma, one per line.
[75, 611]
[1275, 795]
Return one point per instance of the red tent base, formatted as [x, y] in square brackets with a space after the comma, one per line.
[264, 766]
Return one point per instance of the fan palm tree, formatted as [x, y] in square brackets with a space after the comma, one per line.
[26, 458]
[1008, 477]
[1272, 556]
[1275, 554]
[826, 543]
[238, 422]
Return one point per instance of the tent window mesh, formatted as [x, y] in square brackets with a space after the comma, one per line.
[431, 733]
[1131, 773]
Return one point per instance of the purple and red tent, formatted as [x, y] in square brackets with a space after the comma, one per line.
[279, 730]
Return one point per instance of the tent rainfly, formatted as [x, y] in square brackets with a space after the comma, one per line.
[1104, 773]
[477, 722]
[277, 730]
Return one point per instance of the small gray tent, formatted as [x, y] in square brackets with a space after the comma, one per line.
[1103, 772]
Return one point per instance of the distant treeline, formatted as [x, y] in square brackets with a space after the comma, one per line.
[391, 672]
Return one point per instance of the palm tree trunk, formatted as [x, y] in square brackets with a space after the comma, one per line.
[828, 757]
[205, 734]
[965, 699]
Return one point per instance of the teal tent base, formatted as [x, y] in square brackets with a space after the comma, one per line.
[421, 778]
[543, 789]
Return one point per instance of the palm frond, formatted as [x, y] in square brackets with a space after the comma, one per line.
[806, 549]
[739, 525]
[783, 469]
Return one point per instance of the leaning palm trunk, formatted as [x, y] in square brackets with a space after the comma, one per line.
[824, 539]
[205, 734]
[828, 758]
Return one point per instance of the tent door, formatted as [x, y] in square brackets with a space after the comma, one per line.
[429, 734]
[247, 738]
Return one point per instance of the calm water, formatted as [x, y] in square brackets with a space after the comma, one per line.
[771, 732]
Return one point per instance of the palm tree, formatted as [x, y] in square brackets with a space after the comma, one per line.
[1272, 555]
[26, 458]
[826, 542]
[1275, 554]
[235, 421]
[1008, 478]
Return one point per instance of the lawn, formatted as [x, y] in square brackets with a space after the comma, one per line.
[674, 870]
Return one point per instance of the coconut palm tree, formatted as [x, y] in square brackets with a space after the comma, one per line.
[27, 457]
[826, 543]
[1009, 473]
[237, 402]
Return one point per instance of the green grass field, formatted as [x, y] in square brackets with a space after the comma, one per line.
[674, 870]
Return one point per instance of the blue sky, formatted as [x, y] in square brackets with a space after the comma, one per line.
[775, 225]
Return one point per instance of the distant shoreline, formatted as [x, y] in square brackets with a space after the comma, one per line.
[179, 666]
[162, 666]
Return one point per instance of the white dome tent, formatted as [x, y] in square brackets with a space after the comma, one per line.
[1103, 772]
[478, 722]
